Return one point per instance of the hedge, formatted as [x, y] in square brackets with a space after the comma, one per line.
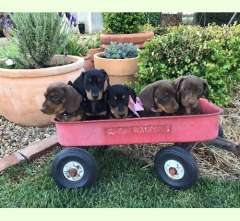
[212, 53]
[123, 22]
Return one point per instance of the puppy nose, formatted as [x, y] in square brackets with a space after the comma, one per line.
[43, 110]
[121, 115]
[121, 110]
[192, 101]
[95, 96]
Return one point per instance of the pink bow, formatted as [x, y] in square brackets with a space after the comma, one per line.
[134, 107]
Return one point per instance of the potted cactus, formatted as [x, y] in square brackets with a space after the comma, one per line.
[119, 60]
[38, 40]
[124, 27]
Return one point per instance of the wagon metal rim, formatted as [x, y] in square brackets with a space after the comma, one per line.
[174, 169]
[73, 171]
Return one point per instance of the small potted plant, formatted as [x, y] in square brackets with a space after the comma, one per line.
[38, 38]
[124, 27]
[93, 46]
[119, 60]
[84, 47]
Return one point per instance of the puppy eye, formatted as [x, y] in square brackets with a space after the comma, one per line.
[115, 98]
[55, 97]
[164, 97]
[198, 90]
[123, 97]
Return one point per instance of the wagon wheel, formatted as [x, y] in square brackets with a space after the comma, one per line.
[186, 146]
[176, 167]
[74, 168]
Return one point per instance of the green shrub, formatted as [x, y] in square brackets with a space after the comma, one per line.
[39, 36]
[147, 27]
[160, 30]
[75, 46]
[152, 18]
[93, 41]
[9, 51]
[123, 23]
[212, 53]
[79, 46]
[120, 51]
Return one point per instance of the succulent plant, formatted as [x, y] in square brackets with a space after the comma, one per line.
[120, 51]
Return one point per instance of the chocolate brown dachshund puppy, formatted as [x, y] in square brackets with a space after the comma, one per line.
[63, 101]
[159, 98]
[189, 89]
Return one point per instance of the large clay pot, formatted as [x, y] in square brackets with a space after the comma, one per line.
[137, 39]
[120, 71]
[89, 58]
[21, 90]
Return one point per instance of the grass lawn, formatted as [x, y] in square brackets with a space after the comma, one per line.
[122, 182]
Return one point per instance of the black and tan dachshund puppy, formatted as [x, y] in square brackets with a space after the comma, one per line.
[159, 98]
[189, 89]
[96, 110]
[92, 85]
[63, 101]
[118, 101]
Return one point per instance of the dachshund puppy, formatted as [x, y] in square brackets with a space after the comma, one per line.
[63, 101]
[118, 101]
[189, 89]
[96, 110]
[92, 84]
[159, 98]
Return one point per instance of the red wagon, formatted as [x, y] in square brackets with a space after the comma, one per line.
[75, 167]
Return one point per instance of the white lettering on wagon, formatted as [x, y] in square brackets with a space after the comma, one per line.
[146, 129]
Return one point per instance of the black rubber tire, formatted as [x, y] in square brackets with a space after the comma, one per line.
[220, 132]
[189, 164]
[81, 156]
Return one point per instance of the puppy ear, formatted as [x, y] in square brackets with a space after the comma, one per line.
[205, 88]
[72, 99]
[106, 80]
[78, 84]
[81, 77]
[177, 84]
[132, 93]
[147, 97]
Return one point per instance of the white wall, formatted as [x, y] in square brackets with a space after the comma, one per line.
[93, 21]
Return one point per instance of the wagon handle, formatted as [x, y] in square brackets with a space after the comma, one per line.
[222, 143]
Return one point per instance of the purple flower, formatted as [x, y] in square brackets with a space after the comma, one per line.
[72, 18]
[5, 21]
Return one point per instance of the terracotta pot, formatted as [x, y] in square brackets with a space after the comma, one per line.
[120, 71]
[137, 39]
[89, 59]
[21, 91]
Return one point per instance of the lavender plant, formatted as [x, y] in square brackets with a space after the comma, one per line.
[39, 36]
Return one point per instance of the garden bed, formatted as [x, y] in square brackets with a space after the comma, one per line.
[14, 137]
